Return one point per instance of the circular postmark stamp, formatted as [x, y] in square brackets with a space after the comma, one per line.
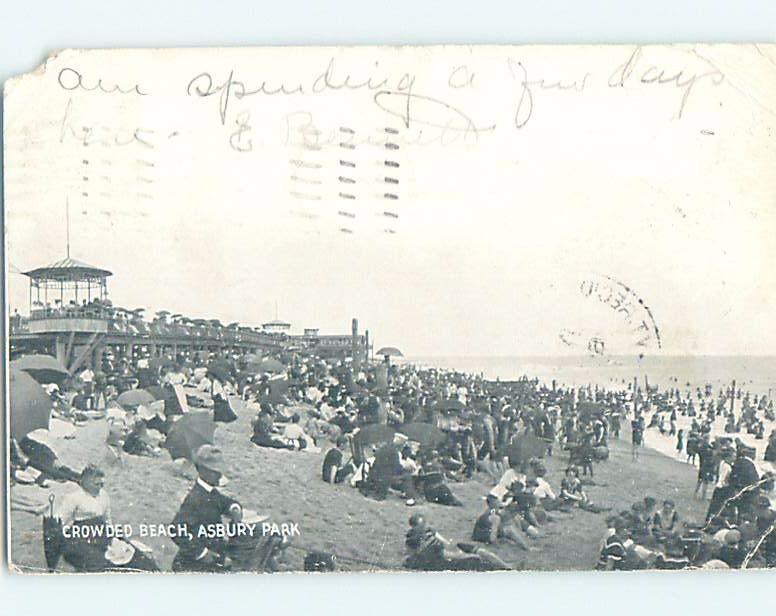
[612, 319]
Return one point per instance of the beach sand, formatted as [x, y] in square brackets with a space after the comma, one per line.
[287, 486]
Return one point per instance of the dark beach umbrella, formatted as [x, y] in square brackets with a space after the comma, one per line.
[53, 537]
[30, 407]
[157, 391]
[135, 397]
[425, 434]
[374, 433]
[524, 447]
[221, 369]
[42, 368]
[390, 352]
[189, 433]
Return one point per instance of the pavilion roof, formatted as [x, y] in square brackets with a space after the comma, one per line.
[68, 269]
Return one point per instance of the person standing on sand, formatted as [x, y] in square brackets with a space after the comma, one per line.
[680, 443]
[707, 471]
[637, 436]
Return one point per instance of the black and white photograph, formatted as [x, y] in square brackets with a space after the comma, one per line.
[391, 309]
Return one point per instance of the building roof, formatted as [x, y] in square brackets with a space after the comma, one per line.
[68, 269]
[276, 323]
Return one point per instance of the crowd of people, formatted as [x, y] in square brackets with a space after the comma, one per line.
[411, 432]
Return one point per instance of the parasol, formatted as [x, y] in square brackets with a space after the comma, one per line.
[42, 368]
[424, 433]
[157, 391]
[221, 369]
[135, 397]
[390, 352]
[30, 407]
[189, 433]
[524, 447]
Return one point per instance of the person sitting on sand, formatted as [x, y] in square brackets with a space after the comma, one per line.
[430, 551]
[665, 522]
[88, 507]
[486, 527]
[264, 432]
[433, 482]
[388, 472]
[335, 469]
[295, 435]
[514, 473]
[204, 506]
[40, 455]
[614, 552]
[138, 441]
[572, 494]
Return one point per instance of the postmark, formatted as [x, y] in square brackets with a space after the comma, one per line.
[619, 320]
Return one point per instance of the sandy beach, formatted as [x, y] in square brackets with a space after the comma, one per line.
[364, 534]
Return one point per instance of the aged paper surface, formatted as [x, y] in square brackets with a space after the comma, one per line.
[465, 308]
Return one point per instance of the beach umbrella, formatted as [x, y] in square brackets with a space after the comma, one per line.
[157, 391]
[221, 369]
[42, 368]
[135, 397]
[189, 433]
[30, 407]
[390, 352]
[524, 447]
[423, 433]
[374, 433]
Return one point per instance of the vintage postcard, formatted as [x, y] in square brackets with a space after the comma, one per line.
[391, 309]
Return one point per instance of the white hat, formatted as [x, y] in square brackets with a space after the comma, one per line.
[252, 517]
[144, 412]
[119, 552]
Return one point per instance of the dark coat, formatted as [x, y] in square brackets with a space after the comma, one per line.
[199, 509]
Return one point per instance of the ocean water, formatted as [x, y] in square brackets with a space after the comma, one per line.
[756, 374]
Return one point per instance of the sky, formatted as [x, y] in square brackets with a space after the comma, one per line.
[540, 200]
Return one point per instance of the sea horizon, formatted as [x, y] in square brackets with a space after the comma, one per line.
[753, 373]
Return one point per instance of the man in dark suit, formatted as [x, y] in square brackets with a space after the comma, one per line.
[745, 482]
[201, 513]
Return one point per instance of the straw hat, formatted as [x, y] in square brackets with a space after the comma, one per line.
[119, 552]
[252, 517]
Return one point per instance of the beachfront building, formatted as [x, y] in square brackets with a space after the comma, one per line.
[72, 318]
[276, 327]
